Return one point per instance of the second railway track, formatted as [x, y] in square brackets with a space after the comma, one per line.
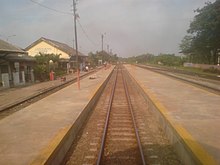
[211, 84]
[19, 104]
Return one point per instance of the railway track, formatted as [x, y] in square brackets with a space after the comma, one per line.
[20, 104]
[121, 130]
[120, 142]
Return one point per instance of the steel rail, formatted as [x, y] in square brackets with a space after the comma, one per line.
[47, 90]
[107, 121]
[208, 77]
[187, 80]
[133, 119]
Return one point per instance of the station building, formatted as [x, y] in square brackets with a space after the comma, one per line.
[67, 53]
[16, 67]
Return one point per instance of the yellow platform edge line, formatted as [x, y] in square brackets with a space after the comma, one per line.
[201, 154]
[93, 92]
[50, 148]
[47, 151]
[96, 89]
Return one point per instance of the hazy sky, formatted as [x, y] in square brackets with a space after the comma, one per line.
[131, 27]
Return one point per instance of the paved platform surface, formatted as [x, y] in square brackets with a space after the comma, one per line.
[23, 92]
[28, 133]
[195, 110]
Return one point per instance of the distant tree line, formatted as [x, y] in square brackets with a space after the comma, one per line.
[94, 58]
[162, 59]
[202, 43]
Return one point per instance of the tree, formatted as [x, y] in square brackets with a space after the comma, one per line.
[203, 40]
[42, 67]
[164, 59]
[93, 58]
[114, 58]
[168, 60]
[186, 45]
[141, 59]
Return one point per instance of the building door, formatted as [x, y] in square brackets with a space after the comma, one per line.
[4, 76]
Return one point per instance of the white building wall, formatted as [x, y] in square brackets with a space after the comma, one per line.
[46, 48]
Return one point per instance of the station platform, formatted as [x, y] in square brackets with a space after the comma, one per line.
[34, 134]
[192, 114]
[23, 92]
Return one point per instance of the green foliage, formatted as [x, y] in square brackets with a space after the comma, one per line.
[186, 44]
[43, 66]
[203, 41]
[93, 58]
[113, 59]
[168, 60]
[144, 58]
[212, 70]
[163, 59]
[141, 59]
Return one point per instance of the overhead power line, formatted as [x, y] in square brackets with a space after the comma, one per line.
[84, 32]
[67, 13]
[55, 10]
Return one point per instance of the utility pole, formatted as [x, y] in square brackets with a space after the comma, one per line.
[111, 52]
[76, 44]
[102, 41]
[108, 49]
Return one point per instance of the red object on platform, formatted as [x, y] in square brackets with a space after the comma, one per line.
[51, 76]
